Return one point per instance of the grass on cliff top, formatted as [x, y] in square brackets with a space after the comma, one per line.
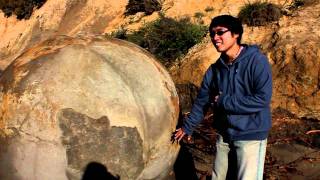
[259, 13]
[146, 6]
[21, 8]
[166, 38]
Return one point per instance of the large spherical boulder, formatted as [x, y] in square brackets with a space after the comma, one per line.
[68, 102]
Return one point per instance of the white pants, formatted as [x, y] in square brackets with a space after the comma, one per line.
[239, 160]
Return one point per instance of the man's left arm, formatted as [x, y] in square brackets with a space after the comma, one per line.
[261, 96]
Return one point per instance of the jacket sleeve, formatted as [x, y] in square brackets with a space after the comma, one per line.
[261, 96]
[198, 108]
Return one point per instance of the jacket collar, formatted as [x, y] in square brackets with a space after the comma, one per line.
[247, 50]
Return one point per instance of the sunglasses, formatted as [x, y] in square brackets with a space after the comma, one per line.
[219, 32]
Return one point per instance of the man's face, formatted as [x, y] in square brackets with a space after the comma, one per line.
[223, 39]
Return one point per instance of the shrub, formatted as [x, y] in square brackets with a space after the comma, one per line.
[259, 13]
[198, 15]
[295, 4]
[22, 8]
[120, 33]
[147, 6]
[168, 38]
[289, 9]
[208, 9]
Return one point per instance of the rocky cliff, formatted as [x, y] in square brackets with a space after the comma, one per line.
[56, 17]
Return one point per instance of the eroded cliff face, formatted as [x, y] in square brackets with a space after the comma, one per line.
[56, 17]
[73, 17]
[296, 63]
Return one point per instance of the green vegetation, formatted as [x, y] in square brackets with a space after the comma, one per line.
[22, 8]
[121, 33]
[166, 38]
[259, 13]
[147, 6]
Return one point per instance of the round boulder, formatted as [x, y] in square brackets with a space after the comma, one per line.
[72, 102]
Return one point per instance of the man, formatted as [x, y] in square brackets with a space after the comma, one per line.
[239, 87]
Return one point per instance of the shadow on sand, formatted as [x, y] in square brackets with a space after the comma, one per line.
[184, 167]
[98, 171]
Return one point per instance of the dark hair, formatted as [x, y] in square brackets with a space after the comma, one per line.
[231, 23]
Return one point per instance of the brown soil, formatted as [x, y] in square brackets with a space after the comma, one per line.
[293, 150]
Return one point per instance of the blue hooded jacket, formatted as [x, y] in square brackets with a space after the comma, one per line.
[244, 88]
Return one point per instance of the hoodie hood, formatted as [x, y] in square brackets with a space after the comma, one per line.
[246, 51]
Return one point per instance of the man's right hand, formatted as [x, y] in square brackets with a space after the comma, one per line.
[179, 134]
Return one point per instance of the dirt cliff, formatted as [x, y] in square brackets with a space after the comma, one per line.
[56, 17]
[72, 17]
